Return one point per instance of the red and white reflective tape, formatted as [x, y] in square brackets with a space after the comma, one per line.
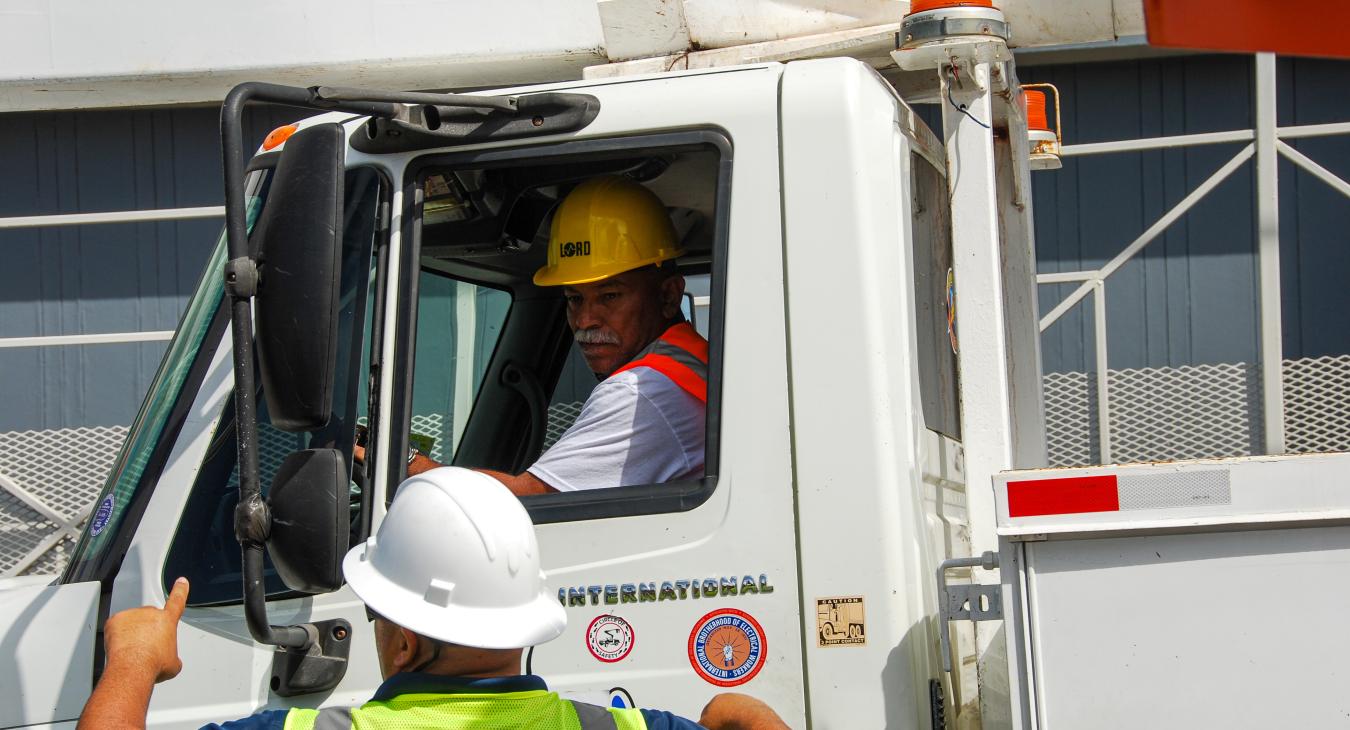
[1117, 492]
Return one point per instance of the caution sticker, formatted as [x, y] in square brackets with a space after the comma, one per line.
[840, 621]
[609, 638]
[727, 647]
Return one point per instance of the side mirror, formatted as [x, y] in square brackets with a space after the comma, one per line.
[299, 243]
[310, 532]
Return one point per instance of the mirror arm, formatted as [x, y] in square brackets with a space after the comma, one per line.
[255, 608]
[252, 521]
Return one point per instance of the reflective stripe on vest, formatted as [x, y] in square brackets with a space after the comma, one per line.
[681, 354]
[540, 709]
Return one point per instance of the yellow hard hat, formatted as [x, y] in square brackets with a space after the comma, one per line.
[606, 226]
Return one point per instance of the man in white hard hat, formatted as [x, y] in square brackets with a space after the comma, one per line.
[611, 251]
[454, 590]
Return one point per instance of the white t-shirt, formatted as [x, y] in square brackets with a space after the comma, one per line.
[637, 427]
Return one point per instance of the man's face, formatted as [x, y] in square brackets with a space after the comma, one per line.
[615, 318]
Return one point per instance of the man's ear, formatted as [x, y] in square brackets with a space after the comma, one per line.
[672, 292]
[407, 645]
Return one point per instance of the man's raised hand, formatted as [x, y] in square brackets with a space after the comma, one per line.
[145, 639]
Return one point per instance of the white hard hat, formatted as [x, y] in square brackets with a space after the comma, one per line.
[456, 560]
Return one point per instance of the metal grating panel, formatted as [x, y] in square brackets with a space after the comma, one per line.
[1317, 404]
[1156, 414]
[1199, 411]
[1070, 419]
[1190, 412]
[48, 480]
[561, 416]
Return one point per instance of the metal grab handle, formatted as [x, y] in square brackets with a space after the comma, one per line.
[971, 601]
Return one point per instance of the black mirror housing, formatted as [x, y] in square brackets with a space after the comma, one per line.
[310, 533]
[299, 243]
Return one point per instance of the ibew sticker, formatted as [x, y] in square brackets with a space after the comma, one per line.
[102, 516]
[727, 647]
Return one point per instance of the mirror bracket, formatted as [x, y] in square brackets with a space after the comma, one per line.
[241, 277]
[252, 520]
[316, 668]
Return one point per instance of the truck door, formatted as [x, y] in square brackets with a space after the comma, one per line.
[674, 591]
[47, 631]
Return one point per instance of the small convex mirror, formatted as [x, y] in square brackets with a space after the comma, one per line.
[310, 532]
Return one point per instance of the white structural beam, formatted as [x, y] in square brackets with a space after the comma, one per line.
[1314, 169]
[466, 339]
[1147, 236]
[1192, 140]
[119, 216]
[1103, 370]
[1066, 277]
[112, 338]
[1268, 254]
[1313, 130]
[1156, 143]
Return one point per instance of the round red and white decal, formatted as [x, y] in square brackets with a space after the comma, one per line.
[609, 638]
[727, 647]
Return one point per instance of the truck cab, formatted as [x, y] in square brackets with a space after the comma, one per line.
[813, 206]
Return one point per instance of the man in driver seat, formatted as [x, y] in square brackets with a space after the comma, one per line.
[611, 249]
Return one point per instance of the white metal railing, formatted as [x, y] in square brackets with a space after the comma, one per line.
[116, 216]
[86, 219]
[1265, 143]
[67, 523]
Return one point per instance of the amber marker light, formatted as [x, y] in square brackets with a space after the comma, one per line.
[1045, 143]
[277, 136]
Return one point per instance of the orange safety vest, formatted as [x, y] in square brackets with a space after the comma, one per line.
[681, 354]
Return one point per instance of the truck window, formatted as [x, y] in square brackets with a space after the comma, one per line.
[458, 324]
[934, 293]
[204, 548]
[499, 382]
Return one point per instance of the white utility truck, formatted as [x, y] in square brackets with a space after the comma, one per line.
[874, 363]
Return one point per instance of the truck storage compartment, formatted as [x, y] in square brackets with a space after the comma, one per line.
[1200, 594]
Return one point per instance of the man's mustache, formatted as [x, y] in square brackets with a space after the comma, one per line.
[596, 336]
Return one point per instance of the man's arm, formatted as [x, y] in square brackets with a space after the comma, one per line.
[520, 484]
[142, 648]
[733, 711]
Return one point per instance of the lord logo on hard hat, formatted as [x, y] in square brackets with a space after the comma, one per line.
[609, 638]
[568, 249]
[727, 647]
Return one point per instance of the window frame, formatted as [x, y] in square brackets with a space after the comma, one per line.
[676, 496]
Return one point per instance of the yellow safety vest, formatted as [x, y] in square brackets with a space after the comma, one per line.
[533, 710]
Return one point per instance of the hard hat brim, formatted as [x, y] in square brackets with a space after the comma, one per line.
[551, 276]
[514, 627]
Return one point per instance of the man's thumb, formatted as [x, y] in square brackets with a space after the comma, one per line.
[177, 598]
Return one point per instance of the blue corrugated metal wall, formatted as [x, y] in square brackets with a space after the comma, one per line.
[101, 278]
[1190, 296]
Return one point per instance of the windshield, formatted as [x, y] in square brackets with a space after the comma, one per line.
[125, 484]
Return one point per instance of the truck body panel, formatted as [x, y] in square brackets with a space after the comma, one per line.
[46, 632]
[1179, 594]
